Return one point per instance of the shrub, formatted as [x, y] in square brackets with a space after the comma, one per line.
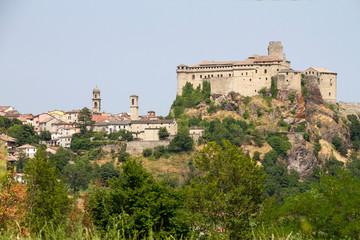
[246, 114]
[291, 97]
[263, 92]
[259, 113]
[123, 156]
[163, 133]
[212, 108]
[279, 142]
[159, 151]
[273, 88]
[147, 152]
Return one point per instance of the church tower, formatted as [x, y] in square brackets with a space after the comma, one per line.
[134, 107]
[96, 100]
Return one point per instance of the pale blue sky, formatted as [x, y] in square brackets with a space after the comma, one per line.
[53, 53]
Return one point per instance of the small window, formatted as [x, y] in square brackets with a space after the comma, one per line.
[246, 73]
[277, 69]
[287, 80]
[329, 94]
[250, 79]
[133, 101]
[208, 76]
[200, 76]
[265, 71]
[221, 75]
[265, 78]
[242, 74]
[212, 75]
[193, 76]
[255, 72]
[229, 74]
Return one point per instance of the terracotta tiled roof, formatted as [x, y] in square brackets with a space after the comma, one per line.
[146, 121]
[13, 114]
[323, 70]
[26, 146]
[4, 108]
[99, 118]
[254, 59]
[7, 138]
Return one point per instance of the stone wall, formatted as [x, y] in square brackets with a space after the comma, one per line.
[135, 147]
[349, 108]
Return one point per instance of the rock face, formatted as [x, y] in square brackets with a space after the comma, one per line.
[300, 157]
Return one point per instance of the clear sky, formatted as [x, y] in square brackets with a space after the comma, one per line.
[53, 53]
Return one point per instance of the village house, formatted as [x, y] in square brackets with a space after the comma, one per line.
[10, 144]
[29, 150]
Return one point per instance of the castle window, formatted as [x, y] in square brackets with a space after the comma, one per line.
[330, 84]
[246, 73]
[250, 79]
[208, 76]
[329, 94]
[265, 78]
[265, 71]
[287, 80]
[229, 74]
[205, 76]
[255, 90]
[242, 74]
[200, 76]
[221, 75]
[133, 101]
[193, 76]
[255, 71]
[212, 75]
[218, 75]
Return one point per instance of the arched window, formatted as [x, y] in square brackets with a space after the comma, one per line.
[133, 101]
[95, 104]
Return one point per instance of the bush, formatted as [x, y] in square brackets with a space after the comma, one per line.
[259, 113]
[163, 133]
[246, 114]
[159, 151]
[291, 97]
[263, 92]
[212, 108]
[181, 143]
[338, 144]
[147, 152]
[123, 156]
[279, 142]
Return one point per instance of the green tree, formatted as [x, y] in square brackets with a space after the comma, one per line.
[21, 162]
[45, 135]
[330, 210]
[48, 197]
[77, 176]
[227, 193]
[182, 142]
[273, 88]
[61, 158]
[279, 142]
[163, 133]
[85, 121]
[24, 134]
[139, 204]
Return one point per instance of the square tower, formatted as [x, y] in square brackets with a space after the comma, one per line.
[134, 107]
[275, 49]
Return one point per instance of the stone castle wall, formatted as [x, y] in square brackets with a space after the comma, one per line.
[248, 78]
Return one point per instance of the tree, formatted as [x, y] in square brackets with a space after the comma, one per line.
[24, 134]
[139, 204]
[76, 176]
[330, 210]
[61, 158]
[163, 133]
[279, 142]
[181, 143]
[273, 88]
[21, 162]
[85, 121]
[227, 192]
[45, 135]
[47, 196]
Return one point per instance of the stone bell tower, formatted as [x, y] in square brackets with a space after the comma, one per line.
[96, 100]
[134, 107]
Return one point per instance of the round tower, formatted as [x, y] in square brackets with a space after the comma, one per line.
[134, 107]
[96, 100]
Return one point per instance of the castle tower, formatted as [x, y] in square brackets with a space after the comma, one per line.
[275, 48]
[96, 100]
[134, 107]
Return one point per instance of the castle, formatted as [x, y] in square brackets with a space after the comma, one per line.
[248, 77]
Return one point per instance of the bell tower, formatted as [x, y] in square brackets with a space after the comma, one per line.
[134, 107]
[96, 100]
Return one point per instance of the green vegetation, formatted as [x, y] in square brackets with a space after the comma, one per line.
[292, 97]
[273, 88]
[338, 144]
[163, 133]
